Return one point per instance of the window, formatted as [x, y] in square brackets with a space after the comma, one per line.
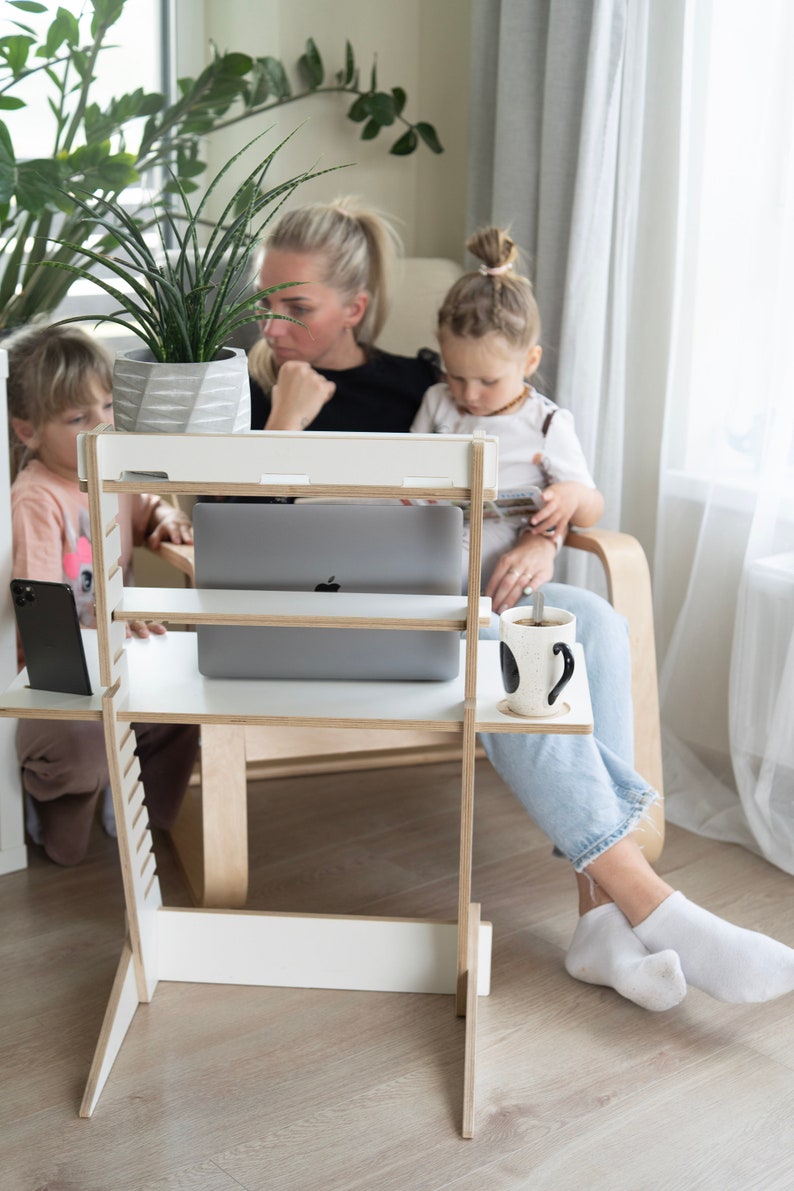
[735, 372]
[134, 58]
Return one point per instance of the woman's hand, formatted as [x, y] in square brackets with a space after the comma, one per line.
[144, 628]
[172, 526]
[529, 564]
[297, 396]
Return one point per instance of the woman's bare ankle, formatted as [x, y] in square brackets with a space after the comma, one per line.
[628, 879]
[590, 894]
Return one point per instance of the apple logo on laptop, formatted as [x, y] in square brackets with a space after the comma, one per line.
[331, 585]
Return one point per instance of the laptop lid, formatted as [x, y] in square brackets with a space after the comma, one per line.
[404, 549]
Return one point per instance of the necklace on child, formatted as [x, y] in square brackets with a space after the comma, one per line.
[510, 404]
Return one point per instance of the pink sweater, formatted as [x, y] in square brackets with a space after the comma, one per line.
[52, 532]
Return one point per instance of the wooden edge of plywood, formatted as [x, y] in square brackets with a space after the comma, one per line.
[122, 1006]
[470, 1046]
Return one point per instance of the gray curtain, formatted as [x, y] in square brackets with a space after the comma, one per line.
[558, 96]
[527, 92]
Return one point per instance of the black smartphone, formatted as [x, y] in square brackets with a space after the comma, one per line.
[49, 630]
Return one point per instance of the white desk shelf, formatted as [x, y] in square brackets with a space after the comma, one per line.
[193, 605]
[164, 686]
[157, 680]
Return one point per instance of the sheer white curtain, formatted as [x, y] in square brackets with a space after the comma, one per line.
[724, 567]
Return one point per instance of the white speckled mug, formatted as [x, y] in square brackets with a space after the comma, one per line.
[536, 659]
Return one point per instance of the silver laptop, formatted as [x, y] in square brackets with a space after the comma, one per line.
[333, 547]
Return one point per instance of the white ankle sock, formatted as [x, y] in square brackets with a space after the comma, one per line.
[605, 950]
[726, 961]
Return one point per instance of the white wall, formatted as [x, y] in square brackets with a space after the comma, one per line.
[421, 46]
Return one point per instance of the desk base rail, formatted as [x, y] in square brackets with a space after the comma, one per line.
[292, 951]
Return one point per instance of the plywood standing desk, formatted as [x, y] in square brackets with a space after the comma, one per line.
[157, 680]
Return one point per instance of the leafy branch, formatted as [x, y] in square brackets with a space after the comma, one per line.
[374, 109]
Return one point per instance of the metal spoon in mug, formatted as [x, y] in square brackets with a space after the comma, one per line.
[537, 608]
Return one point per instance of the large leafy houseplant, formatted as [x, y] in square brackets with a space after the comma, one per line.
[184, 294]
[46, 203]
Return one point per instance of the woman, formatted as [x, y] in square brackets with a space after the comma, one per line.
[331, 354]
[635, 933]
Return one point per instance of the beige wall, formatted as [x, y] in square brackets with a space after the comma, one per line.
[421, 46]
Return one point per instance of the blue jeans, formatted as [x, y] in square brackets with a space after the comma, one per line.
[582, 791]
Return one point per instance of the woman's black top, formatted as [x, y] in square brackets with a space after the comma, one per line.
[380, 396]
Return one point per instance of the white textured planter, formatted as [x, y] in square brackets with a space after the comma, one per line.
[213, 398]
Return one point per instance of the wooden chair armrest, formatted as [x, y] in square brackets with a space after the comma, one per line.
[626, 570]
[181, 557]
[629, 589]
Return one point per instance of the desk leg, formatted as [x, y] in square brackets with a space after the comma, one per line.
[472, 1004]
[210, 836]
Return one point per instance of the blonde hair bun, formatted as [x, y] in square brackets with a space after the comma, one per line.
[495, 298]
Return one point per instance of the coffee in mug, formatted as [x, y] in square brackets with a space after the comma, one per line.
[537, 624]
[536, 659]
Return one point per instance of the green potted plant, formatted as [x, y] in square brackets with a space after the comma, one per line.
[101, 151]
[183, 296]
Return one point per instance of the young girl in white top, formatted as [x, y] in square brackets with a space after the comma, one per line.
[489, 336]
[635, 932]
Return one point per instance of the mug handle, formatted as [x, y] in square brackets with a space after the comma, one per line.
[509, 667]
[567, 671]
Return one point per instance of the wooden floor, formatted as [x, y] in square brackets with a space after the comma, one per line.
[220, 1088]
